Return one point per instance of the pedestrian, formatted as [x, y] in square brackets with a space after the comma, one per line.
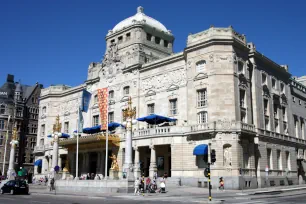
[52, 184]
[162, 185]
[148, 182]
[88, 176]
[46, 180]
[221, 183]
[136, 186]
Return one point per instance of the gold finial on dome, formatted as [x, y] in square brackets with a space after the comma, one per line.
[139, 9]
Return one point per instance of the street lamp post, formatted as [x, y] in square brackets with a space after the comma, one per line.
[11, 174]
[129, 113]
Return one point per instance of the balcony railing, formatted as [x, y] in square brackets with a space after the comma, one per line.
[223, 125]
[39, 149]
[161, 131]
[268, 133]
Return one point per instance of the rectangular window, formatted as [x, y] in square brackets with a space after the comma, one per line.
[1, 124]
[264, 78]
[95, 120]
[202, 117]
[151, 108]
[166, 43]
[288, 161]
[282, 88]
[242, 98]
[284, 113]
[266, 107]
[1, 140]
[149, 37]
[202, 97]
[267, 123]
[285, 126]
[269, 158]
[41, 142]
[296, 126]
[66, 127]
[245, 157]
[302, 129]
[96, 100]
[111, 94]
[173, 106]
[33, 143]
[243, 116]
[279, 160]
[128, 36]
[275, 109]
[42, 130]
[110, 117]
[276, 126]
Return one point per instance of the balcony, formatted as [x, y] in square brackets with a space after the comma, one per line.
[160, 131]
[267, 133]
[223, 126]
[39, 149]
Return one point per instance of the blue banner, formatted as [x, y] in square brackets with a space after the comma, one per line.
[80, 121]
[85, 100]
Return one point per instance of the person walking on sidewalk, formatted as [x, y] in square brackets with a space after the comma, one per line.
[221, 184]
[136, 186]
[52, 181]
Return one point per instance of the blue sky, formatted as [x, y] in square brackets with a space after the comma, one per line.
[53, 41]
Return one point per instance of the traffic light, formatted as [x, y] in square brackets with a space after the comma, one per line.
[206, 172]
[213, 156]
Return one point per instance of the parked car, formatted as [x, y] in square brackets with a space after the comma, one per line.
[15, 187]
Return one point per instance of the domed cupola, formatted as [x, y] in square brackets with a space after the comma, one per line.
[137, 40]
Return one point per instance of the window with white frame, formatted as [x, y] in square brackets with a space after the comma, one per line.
[151, 108]
[33, 143]
[202, 117]
[201, 65]
[202, 97]
[95, 120]
[66, 127]
[173, 106]
[126, 90]
[111, 117]
[279, 160]
[43, 129]
[269, 158]
[2, 109]
[1, 124]
[41, 142]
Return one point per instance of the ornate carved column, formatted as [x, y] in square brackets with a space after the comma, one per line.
[11, 174]
[136, 163]
[153, 166]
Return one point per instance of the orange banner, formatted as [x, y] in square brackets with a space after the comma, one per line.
[103, 106]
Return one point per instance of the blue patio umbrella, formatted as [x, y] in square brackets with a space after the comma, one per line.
[95, 129]
[154, 119]
[64, 135]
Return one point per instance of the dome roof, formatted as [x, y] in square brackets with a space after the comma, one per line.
[141, 17]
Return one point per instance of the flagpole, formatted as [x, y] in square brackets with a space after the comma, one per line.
[77, 149]
[106, 143]
[6, 138]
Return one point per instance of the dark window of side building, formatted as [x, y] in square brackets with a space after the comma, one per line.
[157, 40]
[1, 140]
[120, 39]
[111, 94]
[1, 124]
[2, 109]
[110, 117]
[128, 36]
[166, 43]
[273, 83]
[149, 37]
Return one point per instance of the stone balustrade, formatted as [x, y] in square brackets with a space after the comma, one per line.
[223, 126]
[268, 133]
[39, 149]
[168, 130]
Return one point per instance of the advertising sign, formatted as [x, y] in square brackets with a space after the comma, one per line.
[103, 106]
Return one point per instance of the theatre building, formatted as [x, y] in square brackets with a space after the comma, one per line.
[219, 92]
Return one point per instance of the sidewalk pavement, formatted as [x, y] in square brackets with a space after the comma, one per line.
[185, 191]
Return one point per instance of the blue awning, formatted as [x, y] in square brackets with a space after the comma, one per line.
[154, 119]
[96, 129]
[201, 149]
[64, 135]
[38, 163]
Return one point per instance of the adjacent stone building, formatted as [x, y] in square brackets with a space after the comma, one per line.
[20, 102]
[222, 91]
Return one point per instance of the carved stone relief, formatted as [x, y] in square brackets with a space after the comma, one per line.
[163, 81]
[227, 155]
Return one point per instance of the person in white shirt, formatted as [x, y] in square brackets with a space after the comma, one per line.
[136, 186]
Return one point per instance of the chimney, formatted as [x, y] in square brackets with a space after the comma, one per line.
[10, 78]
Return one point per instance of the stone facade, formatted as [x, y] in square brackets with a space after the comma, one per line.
[222, 92]
[20, 102]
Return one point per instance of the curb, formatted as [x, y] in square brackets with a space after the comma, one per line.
[277, 191]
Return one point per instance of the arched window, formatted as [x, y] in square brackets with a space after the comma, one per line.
[202, 117]
[111, 94]
[2, 109]
[201, 65]
[44, 110]
[126, 90]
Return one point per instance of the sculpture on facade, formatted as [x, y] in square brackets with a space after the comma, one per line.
[227, 156]
[114, 166]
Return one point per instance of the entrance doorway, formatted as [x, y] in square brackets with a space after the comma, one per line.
[93, 162]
